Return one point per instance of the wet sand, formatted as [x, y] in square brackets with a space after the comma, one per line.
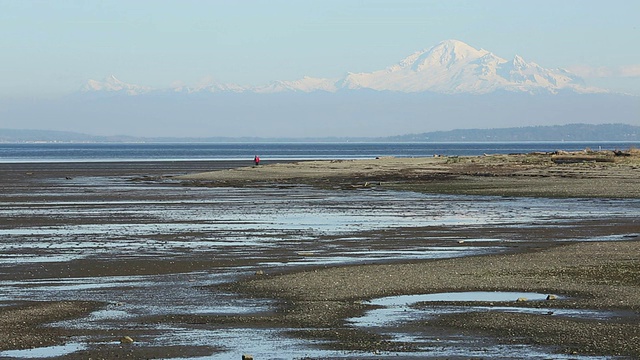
[313, 301]
[592, 275]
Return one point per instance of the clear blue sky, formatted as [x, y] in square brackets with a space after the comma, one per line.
[53, 47]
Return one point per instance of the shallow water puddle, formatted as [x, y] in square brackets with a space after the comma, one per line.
[395, 311]
[261, 343]
[133, 296]
[272, 344]
[457, 296]
[573, 313]
[43, 352]
[400, 309]
[370, 256]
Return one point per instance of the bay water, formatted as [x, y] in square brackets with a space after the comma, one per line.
[99, 152]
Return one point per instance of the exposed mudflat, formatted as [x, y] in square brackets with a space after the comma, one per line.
[289, 266]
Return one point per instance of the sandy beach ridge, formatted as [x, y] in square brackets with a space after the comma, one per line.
[579, 174]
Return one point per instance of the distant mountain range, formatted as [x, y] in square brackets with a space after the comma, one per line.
[451, 67]
[448, 86]
[572, 132]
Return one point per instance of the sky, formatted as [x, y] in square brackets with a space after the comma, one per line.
[51, 48]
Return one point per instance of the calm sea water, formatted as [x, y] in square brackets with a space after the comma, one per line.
[58, 152]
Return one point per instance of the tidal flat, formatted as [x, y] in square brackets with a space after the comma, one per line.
[283, 266]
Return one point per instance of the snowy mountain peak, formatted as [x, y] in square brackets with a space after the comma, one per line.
[307, 84]
[454, 51]
[519, 63]
[209, 84]
[453, 67]
[446, 53]
[113, 84]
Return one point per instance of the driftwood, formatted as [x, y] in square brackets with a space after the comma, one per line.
[571, 159]
[621, 153]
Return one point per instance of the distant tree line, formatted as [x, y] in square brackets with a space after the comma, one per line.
[571, 132]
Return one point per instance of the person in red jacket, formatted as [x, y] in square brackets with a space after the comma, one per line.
[256, 159]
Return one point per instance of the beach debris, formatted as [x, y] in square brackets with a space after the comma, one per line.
[621, 153]
[259, 272]
[552, 297]
[460, 241]
[126, 340]
[563, 157]
[522, 299]
[247, 357]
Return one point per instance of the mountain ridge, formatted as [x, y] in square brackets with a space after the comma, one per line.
[450, 67]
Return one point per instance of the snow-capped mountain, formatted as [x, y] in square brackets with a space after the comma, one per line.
[112, 84]
[451, 67]
[218, 87]
[306, 84]
[210, 85]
